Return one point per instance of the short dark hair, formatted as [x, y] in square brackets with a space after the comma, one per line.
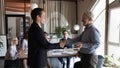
[25, 35]
[35, 12]
[64, 31]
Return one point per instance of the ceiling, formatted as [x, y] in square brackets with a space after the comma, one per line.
[17, 5]
[22, 5]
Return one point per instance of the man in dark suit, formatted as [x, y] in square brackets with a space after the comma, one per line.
[67, 45]
[37, 43]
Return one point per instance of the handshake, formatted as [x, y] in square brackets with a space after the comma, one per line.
[62, 43]
[78, 45]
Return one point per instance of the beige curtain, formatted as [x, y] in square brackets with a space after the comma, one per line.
[59, 13]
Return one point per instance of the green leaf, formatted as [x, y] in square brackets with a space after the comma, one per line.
[1, 44]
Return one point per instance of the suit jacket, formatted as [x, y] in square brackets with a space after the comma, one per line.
[68, 44]
[38, 46]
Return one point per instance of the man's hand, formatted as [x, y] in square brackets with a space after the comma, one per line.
[62, 43]
[79, 45]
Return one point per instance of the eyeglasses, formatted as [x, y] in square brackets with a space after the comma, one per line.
[15, 40]
[65, 33]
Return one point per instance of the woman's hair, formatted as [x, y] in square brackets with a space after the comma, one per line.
[25, 35]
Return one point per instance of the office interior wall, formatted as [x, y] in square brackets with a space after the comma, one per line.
[2, 21]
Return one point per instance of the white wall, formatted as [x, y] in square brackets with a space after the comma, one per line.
[12, 25]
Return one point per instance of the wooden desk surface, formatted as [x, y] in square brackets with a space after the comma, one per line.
[55, 53]
[62, 52]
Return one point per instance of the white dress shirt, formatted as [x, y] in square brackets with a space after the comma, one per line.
[13, 52]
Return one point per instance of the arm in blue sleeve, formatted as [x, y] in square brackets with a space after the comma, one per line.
[95, 40]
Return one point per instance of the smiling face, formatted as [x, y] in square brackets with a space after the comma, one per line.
[87, 18]
[14, 41]
[41, 18]
[65, 34]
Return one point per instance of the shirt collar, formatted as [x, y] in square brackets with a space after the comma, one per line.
[39, 25]
[87, 26]
[66, 38]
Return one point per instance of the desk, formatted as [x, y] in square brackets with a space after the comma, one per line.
[55, 53]
[62, 52]
[51, 54]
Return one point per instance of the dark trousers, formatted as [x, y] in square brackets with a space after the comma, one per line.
[11, 64]
[37, 67]
[63, 62]
[87, 61]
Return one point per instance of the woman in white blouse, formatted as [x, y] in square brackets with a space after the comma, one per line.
[13, 48]
[12, 54]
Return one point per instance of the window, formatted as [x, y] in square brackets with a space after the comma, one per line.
[110, 1]
[114, 27]
[98, 11]
[114, 33]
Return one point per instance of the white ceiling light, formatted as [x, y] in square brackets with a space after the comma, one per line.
[34, 5]
[76, 27]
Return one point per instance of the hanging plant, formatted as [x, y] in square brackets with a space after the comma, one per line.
[108, 61]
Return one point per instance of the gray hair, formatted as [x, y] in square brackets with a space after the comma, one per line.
[89, 15]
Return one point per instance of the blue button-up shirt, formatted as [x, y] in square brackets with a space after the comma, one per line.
[90, 38]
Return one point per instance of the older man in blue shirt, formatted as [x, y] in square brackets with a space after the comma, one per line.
[89, 41]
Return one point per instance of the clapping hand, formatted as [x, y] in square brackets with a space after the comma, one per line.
[62, 43]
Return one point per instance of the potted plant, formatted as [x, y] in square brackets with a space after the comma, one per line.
[108, 61]
[111, 62]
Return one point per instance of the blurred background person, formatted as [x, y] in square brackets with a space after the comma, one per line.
[46, 36]
[12, 54]
[25, 48]
[67, 45]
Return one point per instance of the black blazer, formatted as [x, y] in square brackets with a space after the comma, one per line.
[38, 46]
[68, 45]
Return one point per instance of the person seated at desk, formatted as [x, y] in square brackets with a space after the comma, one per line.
[46, 36]
[67, 45]
[12, 54]
[25, 48]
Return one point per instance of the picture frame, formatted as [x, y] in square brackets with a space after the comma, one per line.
[3, 45]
